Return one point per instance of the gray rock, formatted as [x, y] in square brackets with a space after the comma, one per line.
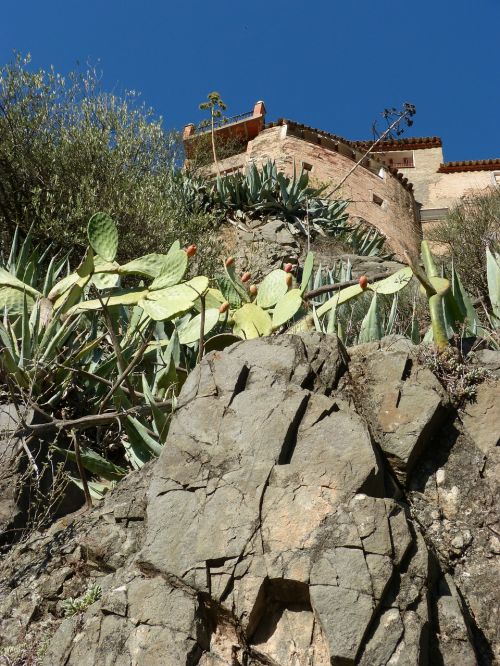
[402, 401]
[264, 533]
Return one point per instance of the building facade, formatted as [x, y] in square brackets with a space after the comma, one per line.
[399, 189]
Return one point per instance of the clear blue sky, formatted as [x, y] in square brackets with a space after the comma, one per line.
[331, 64]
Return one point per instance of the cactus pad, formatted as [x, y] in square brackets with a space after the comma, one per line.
[287, 307]
[175, 265]
[103, 236]
[272, 288]
[393, 283]
[251, 321]
[191, 331]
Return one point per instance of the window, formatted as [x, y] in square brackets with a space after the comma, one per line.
[378, 200]
[495, 176]
[306, 166]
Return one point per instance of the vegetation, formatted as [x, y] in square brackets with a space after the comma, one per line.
[73, 606]
[67, 148]
[477, 219]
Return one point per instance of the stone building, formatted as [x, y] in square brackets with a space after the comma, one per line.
[398, 189]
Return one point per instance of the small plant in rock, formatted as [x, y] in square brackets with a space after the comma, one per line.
[73, 606]
[455, 371]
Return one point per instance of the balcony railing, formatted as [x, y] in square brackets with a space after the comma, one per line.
[206, 125]
[402, 165]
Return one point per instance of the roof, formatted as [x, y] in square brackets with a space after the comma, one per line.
[407, 143]
[470, 165]
[331, 141]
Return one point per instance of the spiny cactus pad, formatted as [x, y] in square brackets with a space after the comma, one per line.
[287, 307]
[13, 300]
[191, 331]
[251, 321]
[173, 270]
[103, 236]
[150, 265]
[393, 283]
[272, 288]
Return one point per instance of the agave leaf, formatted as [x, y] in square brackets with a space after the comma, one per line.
[160, 419]
[307, 272]
[340, 297]
[251, 321]
[287, 307]
[493, 276]
[95, 463]
[149, 442]
[371, 328]
[9, 280]
[12, 300]
[97, 490]
[63, 286]
[272, 288]
[428, 261]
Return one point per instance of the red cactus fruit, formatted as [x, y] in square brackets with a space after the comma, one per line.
[363, 282]
[245, 277]
[229, 262]
[288, 268]
[253, 289]
[191, 250]
[224, 307]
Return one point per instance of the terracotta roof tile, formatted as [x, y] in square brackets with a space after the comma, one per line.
[470, 165]
[406, 143]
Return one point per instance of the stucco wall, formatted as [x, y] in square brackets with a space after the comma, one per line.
[436, 190]
[395, 217]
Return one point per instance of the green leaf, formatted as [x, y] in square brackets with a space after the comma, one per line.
[173, 270]
[307, 272]
[251, 321]
[272, 288]
[287, 307]
[493, 276]
[371, 329]
[190, 332]
[95, 463]
[103, 236]
[393, 283]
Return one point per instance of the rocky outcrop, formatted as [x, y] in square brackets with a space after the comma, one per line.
[302, 513]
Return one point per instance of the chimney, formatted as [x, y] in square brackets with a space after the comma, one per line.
[189, 130]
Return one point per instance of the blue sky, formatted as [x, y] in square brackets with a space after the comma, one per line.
[331, 64]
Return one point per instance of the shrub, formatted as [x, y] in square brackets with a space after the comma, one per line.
[471, 226]
[67, 149]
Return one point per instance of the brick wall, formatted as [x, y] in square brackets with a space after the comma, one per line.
[382, 200]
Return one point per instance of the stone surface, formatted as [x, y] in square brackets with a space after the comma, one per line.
[481, 418]
[402, 401]
[269, 532]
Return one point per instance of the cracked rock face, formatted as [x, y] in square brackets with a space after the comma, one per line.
[266, 534]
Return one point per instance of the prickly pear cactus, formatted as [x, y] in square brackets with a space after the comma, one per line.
[251, 321]
[173, 271]
[287, 307]
[103, 236]
[272, 288]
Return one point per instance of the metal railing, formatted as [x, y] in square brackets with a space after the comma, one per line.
[206, 125]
